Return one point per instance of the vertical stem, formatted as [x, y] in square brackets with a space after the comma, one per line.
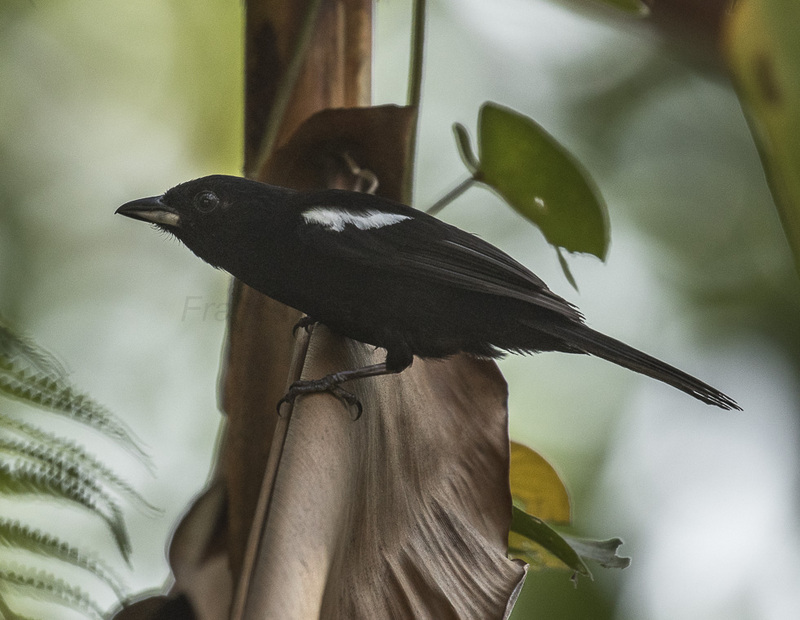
[417, 47]
[414, 93]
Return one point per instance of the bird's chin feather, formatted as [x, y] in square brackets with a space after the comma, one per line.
[166, 231]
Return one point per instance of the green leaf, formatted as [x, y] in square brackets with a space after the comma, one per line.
[532, 540]
[537, 531]
[565, 268]
[762, 48]
[541, 180]
[465, 148]
[603, 552]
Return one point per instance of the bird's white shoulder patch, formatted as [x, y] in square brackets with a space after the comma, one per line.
[337, 219]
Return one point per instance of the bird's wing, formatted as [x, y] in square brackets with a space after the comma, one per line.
[406, 242]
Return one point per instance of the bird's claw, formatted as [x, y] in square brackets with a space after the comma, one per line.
[350, 401]
[319, 386]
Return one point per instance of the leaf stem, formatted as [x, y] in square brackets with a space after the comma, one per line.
[417, 48]
[450, 196]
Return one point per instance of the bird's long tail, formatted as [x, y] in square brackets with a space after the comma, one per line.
[591, 342]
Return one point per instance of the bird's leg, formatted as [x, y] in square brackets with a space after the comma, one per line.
[332, 383]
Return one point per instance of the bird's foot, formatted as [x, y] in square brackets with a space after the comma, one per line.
[327, 384]
[332, 383]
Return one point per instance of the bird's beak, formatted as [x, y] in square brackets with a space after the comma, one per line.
[152, 210]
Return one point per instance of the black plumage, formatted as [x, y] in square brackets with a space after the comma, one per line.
[385, 274]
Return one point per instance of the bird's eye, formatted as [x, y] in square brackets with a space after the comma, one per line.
[206, 201]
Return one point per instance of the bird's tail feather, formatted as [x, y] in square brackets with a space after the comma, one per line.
[591, 342]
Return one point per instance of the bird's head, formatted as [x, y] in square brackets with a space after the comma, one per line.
[204, 212]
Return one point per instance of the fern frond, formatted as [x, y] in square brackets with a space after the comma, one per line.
[19, 348]
[70, 452]
[45, 586]
[33, 478]
[37, 463]
[58, 396]
[6, 613]
[15, 534]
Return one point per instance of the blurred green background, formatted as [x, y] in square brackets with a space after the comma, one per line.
[105, 101]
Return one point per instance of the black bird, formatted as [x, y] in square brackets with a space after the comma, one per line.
[385, 274]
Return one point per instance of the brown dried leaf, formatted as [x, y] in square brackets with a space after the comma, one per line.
[157, 607]
[402, 513]
[198, 556]
[372, 137]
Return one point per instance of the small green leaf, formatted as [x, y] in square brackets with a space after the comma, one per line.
[565, 268]
[604, 552]
[541, 180]
[537, 531]
[465, 148]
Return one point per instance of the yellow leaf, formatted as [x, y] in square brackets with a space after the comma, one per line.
[536, 487]
[762, 49]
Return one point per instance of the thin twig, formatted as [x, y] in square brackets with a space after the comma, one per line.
[265, 495]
